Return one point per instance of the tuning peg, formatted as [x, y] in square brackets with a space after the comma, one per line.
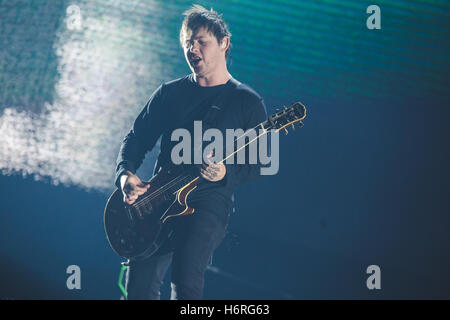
[293, 127]
[300, 123]
[285, 131]
[277, 110]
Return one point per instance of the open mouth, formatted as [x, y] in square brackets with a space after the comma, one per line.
[195, 61]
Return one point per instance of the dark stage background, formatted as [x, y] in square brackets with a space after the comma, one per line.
[364, 182]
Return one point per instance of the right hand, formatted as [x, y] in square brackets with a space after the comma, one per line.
[132, 187]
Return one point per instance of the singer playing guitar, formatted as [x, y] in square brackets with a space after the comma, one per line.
[209, 94]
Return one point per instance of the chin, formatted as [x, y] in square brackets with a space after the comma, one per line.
[198, 73]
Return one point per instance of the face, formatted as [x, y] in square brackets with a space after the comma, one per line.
[202, 51]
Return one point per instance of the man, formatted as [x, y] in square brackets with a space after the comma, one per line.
[209, 94]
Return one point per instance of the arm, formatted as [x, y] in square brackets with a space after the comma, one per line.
[142, 137]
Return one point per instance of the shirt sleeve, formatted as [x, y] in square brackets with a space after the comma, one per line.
[237, 174]
[146, 130]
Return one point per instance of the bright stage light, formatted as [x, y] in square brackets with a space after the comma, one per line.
[108, 65]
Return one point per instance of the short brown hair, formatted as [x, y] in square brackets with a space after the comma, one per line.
[198, 17]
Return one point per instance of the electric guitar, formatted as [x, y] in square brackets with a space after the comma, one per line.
[138, 230]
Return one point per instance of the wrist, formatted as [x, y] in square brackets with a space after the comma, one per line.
[123, 177]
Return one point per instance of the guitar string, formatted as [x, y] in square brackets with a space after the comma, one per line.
[159, 191]
[264, 132]
[151, 196]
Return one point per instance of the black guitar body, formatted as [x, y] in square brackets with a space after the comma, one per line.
[137, 231]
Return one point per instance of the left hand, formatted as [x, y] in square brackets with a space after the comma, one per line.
[213, 171]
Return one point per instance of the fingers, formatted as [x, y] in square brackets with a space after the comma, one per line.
[130, 193]
[208, 157]
[212, 167]
[210, 170]
[137, 191]
[213, 172]
[208, 175]
[142, 187]
[129, 200]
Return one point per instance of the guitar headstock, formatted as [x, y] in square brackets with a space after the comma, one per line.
[286, 117]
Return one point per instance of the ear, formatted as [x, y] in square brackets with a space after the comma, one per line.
[225, 43]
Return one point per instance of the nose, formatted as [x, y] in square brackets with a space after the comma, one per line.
[192, 46]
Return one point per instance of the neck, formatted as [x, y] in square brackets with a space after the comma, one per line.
[218, 77]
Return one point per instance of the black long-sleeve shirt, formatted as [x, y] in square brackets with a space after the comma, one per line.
[176, 104]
